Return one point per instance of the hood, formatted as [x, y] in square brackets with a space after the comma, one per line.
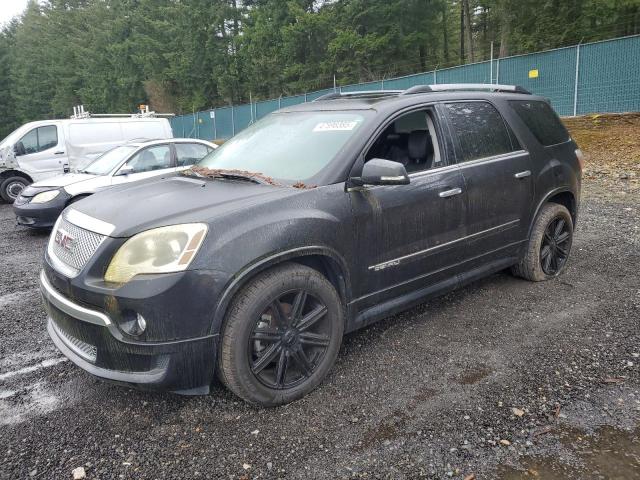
[64, 180]
[157, 202]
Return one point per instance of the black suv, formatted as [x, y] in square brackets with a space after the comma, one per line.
[315, 221]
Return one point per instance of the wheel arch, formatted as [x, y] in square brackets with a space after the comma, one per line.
[322, 259]
[562, 196]
[14, 173]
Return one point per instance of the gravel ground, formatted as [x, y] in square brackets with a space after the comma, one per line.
[502, 379]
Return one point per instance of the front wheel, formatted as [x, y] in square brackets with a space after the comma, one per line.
[11, 187]
[549, 245]
[281, 335]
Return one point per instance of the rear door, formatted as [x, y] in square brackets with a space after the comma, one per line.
[497, 176]
[188, 154]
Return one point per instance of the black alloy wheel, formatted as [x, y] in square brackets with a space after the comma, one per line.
[281, 335]
[289, 340]
[546, 253]
[555, 246]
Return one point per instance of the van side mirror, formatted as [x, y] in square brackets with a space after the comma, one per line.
[125, 170]
[381, 172]
[19, 149]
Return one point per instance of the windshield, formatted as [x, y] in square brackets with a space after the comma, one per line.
[288, 146]
[15, 135]
[109, 160]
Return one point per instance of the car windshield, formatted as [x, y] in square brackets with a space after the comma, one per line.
[109, 160]
[287, 146]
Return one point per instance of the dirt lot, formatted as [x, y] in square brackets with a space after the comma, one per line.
[504, 379]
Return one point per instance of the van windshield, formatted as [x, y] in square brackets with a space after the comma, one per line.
[287, 146]
[106, 162]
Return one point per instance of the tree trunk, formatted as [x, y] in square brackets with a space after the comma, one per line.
[445, 33]
[461, 32]
[505, 31]
[467, 15]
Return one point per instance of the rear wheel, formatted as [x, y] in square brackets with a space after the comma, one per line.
[549, 245]
[281, 335]
[11, 187]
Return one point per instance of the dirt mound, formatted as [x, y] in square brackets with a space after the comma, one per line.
[611, 144]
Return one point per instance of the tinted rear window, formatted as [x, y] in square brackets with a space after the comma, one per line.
[543, 122]
[480, 130]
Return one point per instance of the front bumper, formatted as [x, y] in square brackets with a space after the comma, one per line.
[39, 215]
[91, 340]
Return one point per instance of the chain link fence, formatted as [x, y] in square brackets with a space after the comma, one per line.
[589, 78]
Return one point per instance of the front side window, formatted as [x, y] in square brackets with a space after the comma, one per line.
[543, 122]
[40, 139]
[480, 129]
[190, 153]
[287, 146]
[106, 162]
[151, 159]
[411, 140]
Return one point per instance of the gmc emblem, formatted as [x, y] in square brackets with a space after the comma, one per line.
[65, 240]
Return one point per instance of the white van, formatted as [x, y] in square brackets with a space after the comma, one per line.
[47, 148]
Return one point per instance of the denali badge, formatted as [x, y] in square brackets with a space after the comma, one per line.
[65, 240]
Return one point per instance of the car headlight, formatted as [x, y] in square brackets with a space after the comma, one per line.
[160, 250]
[45, 197]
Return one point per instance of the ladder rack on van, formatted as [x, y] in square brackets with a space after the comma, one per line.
[79, 112]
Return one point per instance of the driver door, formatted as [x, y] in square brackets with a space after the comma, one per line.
[149, 162]
[44, 153]
[410, 237]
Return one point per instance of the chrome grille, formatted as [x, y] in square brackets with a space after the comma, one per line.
[80, 248]
[85, 350]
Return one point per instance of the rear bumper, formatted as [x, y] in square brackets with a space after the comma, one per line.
[91, 340]
[40, 215]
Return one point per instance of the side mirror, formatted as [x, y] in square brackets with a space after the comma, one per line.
[125, 170]
[19, 149]
[382, 172]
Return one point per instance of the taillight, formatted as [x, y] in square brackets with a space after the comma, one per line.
[580, 157]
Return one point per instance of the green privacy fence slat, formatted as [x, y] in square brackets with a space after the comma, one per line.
[475, 73]
[313, 95]
[608, 81]
[609, 76]
[556, 76]
[295, 100]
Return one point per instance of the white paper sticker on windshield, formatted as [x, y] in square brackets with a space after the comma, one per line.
[335, 126]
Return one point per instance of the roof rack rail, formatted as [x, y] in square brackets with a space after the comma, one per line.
[358, 94]
[452, 87]
[79, 112]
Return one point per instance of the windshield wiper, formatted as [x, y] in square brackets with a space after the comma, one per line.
[244, 175]
[239, 176]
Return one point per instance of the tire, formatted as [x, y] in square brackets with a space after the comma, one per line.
[11, 187]
[549, 245]
[262, 335]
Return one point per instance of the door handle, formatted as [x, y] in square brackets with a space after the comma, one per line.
[524, 174]
[450, 193]
[58, 153]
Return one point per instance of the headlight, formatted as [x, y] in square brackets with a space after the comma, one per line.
[45, 197]
[161, 250]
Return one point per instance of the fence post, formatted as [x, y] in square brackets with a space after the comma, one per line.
[215, 126]
[491, 65]
[233, 122]
[382, 84]
[435, 76]
[497, 71]
[279, 102]
[575, 87]
[305, 97]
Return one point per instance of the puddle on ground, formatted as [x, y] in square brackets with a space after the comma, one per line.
[608, 454]
[473, 376]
